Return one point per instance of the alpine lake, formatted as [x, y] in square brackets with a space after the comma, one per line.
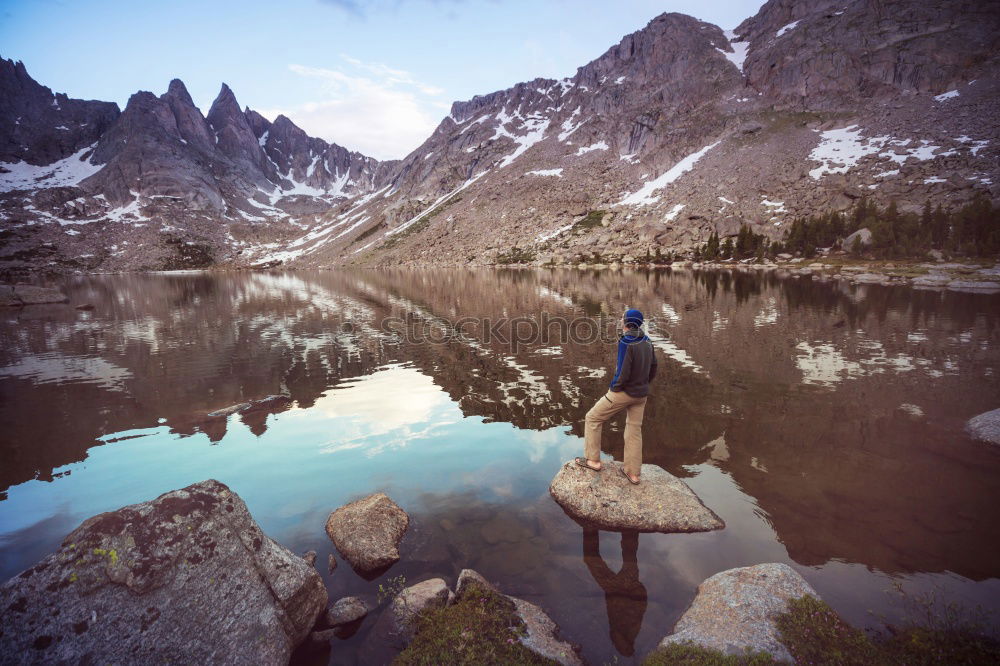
[822, 421]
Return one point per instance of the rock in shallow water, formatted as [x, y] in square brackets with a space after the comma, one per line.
[186, 578]
[346, 610]
[986, 426]
[26, 294]
[395, 625]
[367, 532]
[660, 503]
[734, 610]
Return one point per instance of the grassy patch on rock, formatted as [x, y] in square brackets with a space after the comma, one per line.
[591, 221]
[516, 255]
[815, 634]
[481, 627]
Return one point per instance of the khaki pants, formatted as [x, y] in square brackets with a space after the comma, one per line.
[610, 404]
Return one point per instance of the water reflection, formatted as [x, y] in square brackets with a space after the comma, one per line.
[833, 412]
[624, 595]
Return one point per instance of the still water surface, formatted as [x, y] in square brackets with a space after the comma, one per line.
[822, 422]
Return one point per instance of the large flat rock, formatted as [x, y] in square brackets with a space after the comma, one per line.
[367, 532]
[734, 610]
[606, 499]
[186, 578]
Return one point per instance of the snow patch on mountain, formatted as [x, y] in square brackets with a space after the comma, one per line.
[568, 126]
[841, 149]
[787, 28]
[62, 173]
[644, 195]
[600, 145]
[740, 50]
[535, 128]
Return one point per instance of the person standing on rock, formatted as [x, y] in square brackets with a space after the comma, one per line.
[635, 369]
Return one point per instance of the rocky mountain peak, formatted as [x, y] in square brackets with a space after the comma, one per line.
[235, 138]
[179, 91]
[40, 127]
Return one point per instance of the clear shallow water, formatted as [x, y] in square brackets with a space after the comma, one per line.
[823, 423]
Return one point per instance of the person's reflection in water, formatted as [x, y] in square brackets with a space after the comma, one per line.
[624, 594]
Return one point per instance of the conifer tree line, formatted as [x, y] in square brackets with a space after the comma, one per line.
[970, 231]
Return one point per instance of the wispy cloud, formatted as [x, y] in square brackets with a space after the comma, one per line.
[371, 107]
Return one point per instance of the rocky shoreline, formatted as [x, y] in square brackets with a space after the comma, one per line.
[190, 577]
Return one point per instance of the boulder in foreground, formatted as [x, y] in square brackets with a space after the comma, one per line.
[482, 624]
[186, 578]
[734, 610]
[606, 499]
[367, 532]
[986, 426]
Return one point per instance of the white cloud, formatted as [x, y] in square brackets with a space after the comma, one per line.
[367, 106]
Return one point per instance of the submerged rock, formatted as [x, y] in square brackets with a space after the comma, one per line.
[986, 426]
[186, 578]
[734, 610]
[367, 532]
[660, 503]
[26, 294]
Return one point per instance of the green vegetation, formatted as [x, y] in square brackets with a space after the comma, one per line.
[516, 255]
[367, 233]
[747, 245]
[391, 589]
[481, 627]
[591, 221]
[815, 634]
[970, 231]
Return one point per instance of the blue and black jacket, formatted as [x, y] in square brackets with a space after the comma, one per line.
[636, 365]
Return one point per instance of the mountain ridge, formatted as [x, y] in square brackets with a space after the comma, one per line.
[679, 131]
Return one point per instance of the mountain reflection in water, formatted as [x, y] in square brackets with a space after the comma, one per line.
[822, 422]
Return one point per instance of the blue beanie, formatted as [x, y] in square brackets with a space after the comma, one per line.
[633, 317]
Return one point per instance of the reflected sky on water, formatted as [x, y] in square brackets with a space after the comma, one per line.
[823, 422]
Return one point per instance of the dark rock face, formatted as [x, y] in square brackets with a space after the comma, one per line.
[40, 127]
[234, 138]
[884, 47]
[187, 578]
[367, 532]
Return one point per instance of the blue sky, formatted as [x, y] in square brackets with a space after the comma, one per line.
[375, 76]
